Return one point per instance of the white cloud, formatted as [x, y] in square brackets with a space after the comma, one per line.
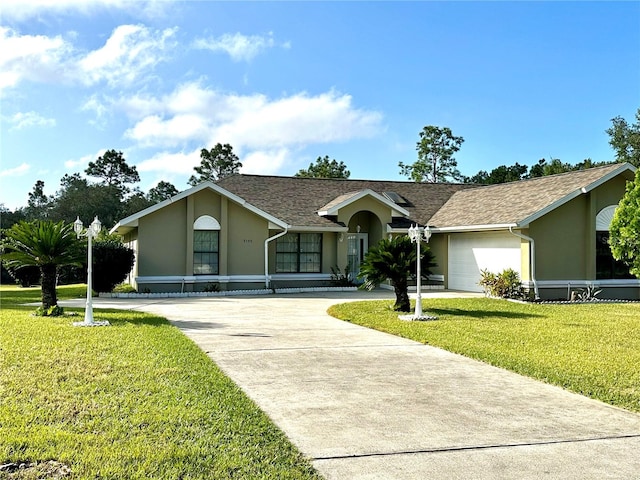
[83, 162]
[30, 119]
[297, 120]
[129, 53]
[153, 131]
[18, 171]
[31, 57]
[131, 50]
[171, 162]
[97, 106]
[266, 162]
[264, 132]
[239, 47]
[25, 9]
[192, 113]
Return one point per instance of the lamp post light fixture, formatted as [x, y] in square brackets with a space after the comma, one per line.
[90, 232]
[417, 235]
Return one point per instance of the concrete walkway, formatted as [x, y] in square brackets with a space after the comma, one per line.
[367, 405]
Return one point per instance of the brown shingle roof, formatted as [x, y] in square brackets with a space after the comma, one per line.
[296, 200]
[515, 202]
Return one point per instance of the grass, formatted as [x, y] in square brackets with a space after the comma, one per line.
[134, 400]
[590, 349]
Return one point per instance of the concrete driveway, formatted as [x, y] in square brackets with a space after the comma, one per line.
[367, 405]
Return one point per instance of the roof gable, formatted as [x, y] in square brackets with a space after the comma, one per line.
[520, 203]
[132, 221]
[342, 201]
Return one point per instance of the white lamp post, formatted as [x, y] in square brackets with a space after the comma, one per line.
[418, 234]
[90, 232]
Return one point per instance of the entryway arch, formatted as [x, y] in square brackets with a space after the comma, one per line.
[365, 229]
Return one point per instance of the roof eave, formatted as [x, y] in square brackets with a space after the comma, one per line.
[474, 228]
[316, 228]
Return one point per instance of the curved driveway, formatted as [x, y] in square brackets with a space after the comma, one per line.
[367, 405]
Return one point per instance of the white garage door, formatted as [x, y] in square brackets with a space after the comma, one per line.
[469, 253]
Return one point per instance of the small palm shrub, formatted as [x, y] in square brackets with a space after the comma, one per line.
[394, 259]
[45, 245]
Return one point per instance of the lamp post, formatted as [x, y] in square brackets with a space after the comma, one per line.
[90, 232]
[418, 234]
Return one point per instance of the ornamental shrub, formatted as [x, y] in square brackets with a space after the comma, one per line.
[625, 228]
[112, 261]
[504, 285]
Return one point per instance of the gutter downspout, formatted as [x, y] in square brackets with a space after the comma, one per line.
[267, 279]
[532, 245]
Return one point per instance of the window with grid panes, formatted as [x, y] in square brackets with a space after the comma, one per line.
[299, 253]
[205, 252]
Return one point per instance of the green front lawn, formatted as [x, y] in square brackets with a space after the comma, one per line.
[134, 400]
[591, 349]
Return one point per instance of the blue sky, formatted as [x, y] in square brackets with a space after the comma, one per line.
[286, 82]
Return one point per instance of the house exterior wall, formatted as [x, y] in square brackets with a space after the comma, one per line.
[246, 233]
[330, 252]
[162, 241]
[561, 241]
[566, 250]
[438, 245]
[525, 257]
[165, 239]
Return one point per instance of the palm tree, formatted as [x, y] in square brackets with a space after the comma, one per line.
[44, 244]
[395, 260]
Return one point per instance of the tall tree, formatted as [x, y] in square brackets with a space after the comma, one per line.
[44, 244]
[112, 168]
[325, 168]
[38, 204]
[435, 162]
[135, 203]
[624, 233]
[161, 191]
[78, 198]
[625, 139]
[217, 163]
[394, 259]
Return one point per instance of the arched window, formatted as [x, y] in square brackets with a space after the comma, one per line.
[206, 246]
[604, 217]
[607, 267]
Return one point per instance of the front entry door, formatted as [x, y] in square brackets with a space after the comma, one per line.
[357, 246]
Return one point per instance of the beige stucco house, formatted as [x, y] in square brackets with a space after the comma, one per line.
[251, 231]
